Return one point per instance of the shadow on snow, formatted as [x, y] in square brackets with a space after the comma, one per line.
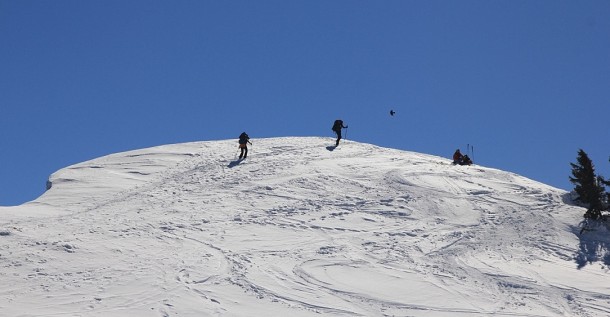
[594, 242]
[234, 163]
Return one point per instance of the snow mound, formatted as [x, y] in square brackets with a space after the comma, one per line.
[298, 228]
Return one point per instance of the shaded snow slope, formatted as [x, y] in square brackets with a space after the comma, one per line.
[294, 230]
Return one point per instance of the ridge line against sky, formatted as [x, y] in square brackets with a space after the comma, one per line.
[525, 82]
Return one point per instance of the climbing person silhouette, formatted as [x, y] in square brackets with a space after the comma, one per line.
[337, 126]
[244, 139]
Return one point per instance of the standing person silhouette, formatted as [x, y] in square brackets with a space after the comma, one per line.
[337, 126]
[244, 139]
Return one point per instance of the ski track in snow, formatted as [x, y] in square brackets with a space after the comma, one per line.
[296, 230]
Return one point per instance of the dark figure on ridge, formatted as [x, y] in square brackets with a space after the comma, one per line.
[337, 128]
[460, 159]
[244, 139]
[457, 157]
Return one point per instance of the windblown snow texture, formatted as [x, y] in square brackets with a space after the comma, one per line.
[177, 230]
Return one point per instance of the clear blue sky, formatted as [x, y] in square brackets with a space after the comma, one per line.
[526, 82]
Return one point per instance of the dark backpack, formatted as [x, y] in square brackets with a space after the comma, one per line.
[338, 125]
[466, 160]
[243, 138]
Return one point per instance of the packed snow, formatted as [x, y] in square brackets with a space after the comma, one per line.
[299, 228]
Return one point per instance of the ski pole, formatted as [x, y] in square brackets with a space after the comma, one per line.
[345, 133]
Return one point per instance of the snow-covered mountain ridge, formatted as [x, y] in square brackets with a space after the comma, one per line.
[296, 229]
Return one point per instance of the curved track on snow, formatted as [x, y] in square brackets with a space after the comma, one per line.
[295, 229]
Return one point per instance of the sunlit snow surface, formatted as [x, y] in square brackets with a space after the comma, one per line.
[296, 229]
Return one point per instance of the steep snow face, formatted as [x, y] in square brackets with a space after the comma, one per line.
[296, 229]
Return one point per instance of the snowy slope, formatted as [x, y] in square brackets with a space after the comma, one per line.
[294, 230]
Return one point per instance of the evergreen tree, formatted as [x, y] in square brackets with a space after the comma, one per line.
[607, 183]
[588, 187]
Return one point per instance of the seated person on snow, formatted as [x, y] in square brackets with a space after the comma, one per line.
[457, 157]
